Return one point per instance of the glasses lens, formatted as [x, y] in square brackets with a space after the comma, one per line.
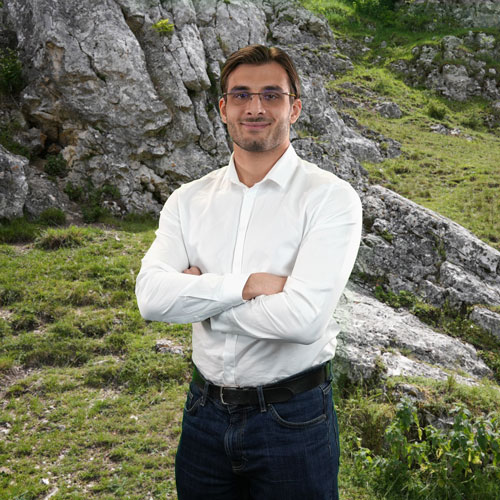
[268, 98]
[239, 97]
[272, 98]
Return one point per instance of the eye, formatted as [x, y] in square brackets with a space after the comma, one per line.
[240, 96]
[271, 96]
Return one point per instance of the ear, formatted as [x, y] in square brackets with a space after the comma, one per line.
[222, 109]
[295, 111]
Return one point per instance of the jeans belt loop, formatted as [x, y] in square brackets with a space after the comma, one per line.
[205, 394]
[262, 401]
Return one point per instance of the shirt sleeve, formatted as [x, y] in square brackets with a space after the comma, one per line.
[165, 293]
[324, 262]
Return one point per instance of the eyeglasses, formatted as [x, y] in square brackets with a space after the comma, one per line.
[268, 98]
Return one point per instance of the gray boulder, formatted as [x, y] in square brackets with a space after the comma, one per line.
[376, 340]
[417, 250]
[389, 110]
[13, 184]
[466, 72]
[489, 320]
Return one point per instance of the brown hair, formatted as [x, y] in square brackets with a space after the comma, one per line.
[259, 54]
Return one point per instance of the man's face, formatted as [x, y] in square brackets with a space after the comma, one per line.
[256, 125]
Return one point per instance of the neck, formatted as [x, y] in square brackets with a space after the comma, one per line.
[252, 167]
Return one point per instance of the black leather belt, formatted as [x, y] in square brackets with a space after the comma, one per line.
[278, 392]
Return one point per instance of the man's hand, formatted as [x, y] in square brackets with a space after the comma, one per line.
[192, 270]
[263, 284]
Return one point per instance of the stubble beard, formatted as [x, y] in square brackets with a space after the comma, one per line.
[259, 145]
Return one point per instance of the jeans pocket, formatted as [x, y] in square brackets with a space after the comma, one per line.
[303, 410]
[193, 401]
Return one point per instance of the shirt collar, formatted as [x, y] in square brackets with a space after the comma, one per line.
[280, 173]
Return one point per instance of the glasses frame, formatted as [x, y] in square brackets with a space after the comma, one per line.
[251, 94]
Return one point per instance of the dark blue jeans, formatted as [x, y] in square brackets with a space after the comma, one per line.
[286, 451]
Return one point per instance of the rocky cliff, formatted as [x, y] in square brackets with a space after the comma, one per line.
[133, 108]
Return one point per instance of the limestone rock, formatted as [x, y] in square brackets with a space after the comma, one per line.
[13, 184]
[466, 73]
[43, 193]
[487, 319]
[376, 339]
[389, 110]
[420, 251]
[469, 13]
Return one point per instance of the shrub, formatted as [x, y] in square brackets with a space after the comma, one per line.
[7, 132]
[163, 27]
[52, 239]
[11, 78]
[10, 294]
[56, 166]
[53, 217]
[17, 231]
[436, 111]
[75, 193]
[432, 463]
[377, 9]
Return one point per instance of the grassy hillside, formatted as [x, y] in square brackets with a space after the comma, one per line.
[455, 175]
[90, 410]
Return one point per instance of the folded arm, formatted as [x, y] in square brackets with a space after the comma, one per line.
[324, 262]
[166, 293]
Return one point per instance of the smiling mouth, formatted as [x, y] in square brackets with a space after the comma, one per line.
[255, 125]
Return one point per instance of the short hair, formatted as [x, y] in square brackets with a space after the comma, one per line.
[259, 54]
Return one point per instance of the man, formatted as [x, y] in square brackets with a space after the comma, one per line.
[256, 255]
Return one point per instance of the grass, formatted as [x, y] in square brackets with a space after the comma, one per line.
[452, 175]
[456, 176]
[88, 407]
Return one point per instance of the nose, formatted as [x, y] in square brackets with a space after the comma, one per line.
[255, 105]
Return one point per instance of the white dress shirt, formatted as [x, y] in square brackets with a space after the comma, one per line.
[299, 221]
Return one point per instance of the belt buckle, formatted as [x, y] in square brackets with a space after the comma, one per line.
[221, 396]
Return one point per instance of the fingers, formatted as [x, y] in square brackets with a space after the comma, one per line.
[192, 270]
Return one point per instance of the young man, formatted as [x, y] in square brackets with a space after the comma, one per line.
[256, 255]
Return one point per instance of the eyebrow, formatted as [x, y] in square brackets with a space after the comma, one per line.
[267, 87]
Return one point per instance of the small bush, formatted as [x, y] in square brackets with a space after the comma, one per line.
[432, 463]
[52, 239]
[5, 328]
[10, 294]
[11, 78]
[53, 217]
[436, 111]
[18, 231]
[75, 193]
[163, 27]
[56, 166]
[6, 140]
[94, 213]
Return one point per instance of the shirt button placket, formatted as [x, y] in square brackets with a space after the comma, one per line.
[231, 339]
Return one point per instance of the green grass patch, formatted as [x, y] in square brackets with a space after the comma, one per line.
[456, 176]
[90, 406]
